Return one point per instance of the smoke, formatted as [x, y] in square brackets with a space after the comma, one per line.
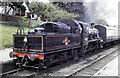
[106, 10]
[91, 10]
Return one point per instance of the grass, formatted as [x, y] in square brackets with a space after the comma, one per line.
[6, 35]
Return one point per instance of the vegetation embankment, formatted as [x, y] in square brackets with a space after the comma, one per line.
[6, 35]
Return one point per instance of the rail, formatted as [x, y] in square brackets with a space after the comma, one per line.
[73, 74]
[10, 72]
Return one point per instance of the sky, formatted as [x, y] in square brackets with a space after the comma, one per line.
[113, 6]
[107, 9]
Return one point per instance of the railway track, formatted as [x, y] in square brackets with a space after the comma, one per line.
[89, 65]
[10, 72]
[21, 73]
[70, 70]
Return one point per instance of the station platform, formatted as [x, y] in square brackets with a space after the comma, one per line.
[4, 55]
[111, 69]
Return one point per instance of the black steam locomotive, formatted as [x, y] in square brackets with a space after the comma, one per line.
[56, 41]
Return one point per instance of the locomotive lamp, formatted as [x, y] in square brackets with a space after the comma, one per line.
[32, 57]
[25, 39]
[11, 54]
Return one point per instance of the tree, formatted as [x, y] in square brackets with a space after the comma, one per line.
[51, 11]
[76, 8]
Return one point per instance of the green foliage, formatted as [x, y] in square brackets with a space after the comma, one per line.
[51, 11]
[38, 8]
[24, 18]
[60, 14]
[25, 21]
[35, 23]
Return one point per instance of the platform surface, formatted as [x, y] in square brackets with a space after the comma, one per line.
[111, 69]
[4, 55]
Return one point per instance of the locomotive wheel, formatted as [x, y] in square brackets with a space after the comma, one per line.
[65, 56]
[20, 65]
[42, 64]
[101, 46]
[84, 51]
[46, 63]
[75, 54]
[79, 53]
[18, 62]
[62, 57]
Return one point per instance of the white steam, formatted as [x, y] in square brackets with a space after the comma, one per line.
[107, 9]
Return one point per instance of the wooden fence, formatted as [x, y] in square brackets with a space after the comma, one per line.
[10, 19]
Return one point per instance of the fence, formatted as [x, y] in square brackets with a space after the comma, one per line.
[10, 19]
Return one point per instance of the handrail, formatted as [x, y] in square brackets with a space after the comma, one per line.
[20, 31]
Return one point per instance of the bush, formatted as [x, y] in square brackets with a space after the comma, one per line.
[25, 21]
[61, 14]
[35, 23]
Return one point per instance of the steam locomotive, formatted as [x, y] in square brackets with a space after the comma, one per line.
[58, 41]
